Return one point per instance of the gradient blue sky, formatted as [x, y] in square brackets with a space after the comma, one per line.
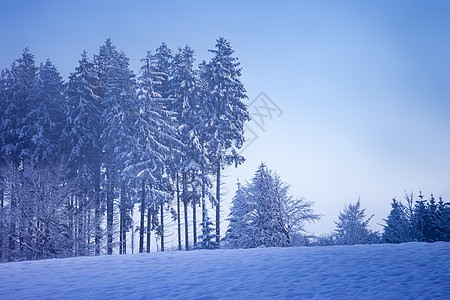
[364, 85]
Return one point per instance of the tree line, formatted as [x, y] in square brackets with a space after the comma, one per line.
[264, 214]
[76, 157]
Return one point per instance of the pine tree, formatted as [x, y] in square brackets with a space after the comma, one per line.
[443, 220]
[17, 85]
[161, 68]
[240, 231]
[194, 163]
[155, 143]
[3, 101]
[82, 137]
[264, 214]
[208, 237]
[353, 227]
[3, 105]
[398, 227]
[418, 218]
[431, 230]
[44, 123]
[224, 112]
[121, 110]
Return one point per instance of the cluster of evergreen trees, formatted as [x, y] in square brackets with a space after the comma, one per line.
[419, 220]
[423, 220]
[76, 157]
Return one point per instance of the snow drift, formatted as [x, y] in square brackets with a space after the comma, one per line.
[412, 270]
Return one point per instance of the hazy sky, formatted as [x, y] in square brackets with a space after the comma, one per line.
[364, 86]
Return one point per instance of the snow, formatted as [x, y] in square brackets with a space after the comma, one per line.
[406, 271]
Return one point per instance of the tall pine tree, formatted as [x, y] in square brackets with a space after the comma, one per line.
[224, 112]
[82, 138]
[155, 143]
[44, 122]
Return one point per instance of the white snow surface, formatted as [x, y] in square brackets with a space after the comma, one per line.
[404, 271]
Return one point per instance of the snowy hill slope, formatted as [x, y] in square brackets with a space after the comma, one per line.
[405, 271]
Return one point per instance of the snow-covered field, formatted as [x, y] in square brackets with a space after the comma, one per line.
[405, 271]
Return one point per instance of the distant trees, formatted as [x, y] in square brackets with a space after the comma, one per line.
[353, 226]
[124, 140]
[264, 214]
[421, 220]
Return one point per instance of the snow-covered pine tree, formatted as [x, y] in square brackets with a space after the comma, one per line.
[2, 188]
[431, 230]
[3, 106]
[225, 113]
[194, 163]
[107, 62]
[418, 218]
[17, 85]
[208, 237]
[398, 227]
[443, 220]
[161, 67]
[155, 144]
[44, 122]
[240, 231]
[120, 113]
[82, 139]
[264, 214]
[353, 226]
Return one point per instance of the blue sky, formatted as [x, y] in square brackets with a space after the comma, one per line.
[364, 85]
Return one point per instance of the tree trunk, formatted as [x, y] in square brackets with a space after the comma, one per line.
[186, 224]
[120, 228]
[162, 227]
[149, 228]
[88, 226]
[203, 209]
[97, 212]
[12, 227]
[178, 211]
[2, 233]
[194, 222]
[71, 225]
[142, 224]
[218, 205]
[123, 208]
[149, 220]
[80, 222]
[76, 234]
[110, 212]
